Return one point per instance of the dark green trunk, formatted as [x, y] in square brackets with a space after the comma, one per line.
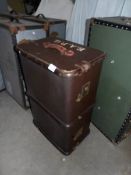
[114, 92]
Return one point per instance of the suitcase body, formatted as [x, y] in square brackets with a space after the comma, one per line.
[112, 112]
[65, 84]
[12, 31]
[64, 137]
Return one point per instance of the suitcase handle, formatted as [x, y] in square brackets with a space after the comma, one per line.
[10, 17]
[61, 49]
[41, 16]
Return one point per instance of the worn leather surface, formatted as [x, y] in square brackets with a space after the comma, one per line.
[39, 54]
[60, 93]
[63, 137]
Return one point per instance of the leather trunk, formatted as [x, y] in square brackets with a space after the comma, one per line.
[64, 137]
[61, 75]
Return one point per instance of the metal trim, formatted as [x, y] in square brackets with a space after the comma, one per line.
[122, 131]
[112, 24]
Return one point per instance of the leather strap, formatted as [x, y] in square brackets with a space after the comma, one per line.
[61, 49]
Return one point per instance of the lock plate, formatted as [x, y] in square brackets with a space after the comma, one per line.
[84, 91]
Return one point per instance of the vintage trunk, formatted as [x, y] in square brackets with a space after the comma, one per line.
[12, 31]
[64, 137]
[54, 27]
[61, 75]
[113, 103]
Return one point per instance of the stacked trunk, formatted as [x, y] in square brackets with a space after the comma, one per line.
[61, 79]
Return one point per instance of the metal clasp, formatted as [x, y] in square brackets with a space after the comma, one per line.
[84, 91]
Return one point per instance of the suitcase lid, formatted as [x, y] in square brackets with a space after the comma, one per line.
[40, 18]
[117, 21]
[60, 56]
[14, 24]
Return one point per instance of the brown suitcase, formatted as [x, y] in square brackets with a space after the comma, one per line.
[64, 137]
[61, 75]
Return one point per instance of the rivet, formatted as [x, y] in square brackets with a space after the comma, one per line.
[33, 33]
[79, 117]
[112, 61]
[119, 98]
[99, 108]
[67, 126]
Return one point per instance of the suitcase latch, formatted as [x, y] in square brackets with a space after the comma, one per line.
[78, 134]
[84, 91]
